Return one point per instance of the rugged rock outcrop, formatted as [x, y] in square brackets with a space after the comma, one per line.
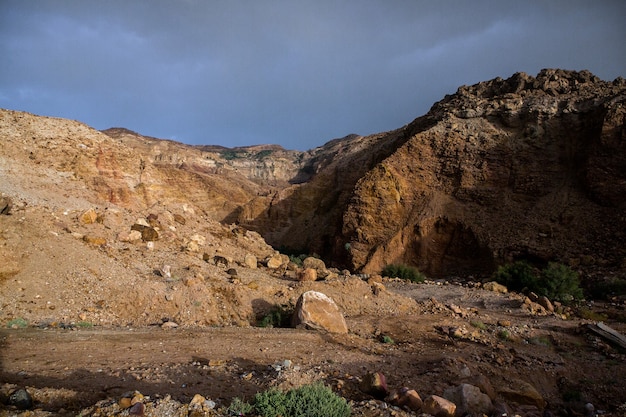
[531, 167]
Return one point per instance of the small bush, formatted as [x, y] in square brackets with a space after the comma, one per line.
[559, 282]
[504, 335]
[556, 281]
[279, 316]
[407, 272]
[18, 323]
[479, 325]
[386, 339]
[239, 407]
[516, 276]
[298, 259]
[315, 400]
[271, 403]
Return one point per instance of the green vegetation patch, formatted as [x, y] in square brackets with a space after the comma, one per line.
[279, 316]
[409, 273]
[556, 281]
[17, 323]
[314, 400]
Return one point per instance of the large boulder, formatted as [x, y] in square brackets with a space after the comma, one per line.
[317, 311]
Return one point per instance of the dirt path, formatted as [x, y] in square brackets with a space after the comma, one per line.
[72, 369]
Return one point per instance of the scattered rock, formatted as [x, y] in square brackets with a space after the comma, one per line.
[522, 393]
[495, 287]
[307, 274]
[408, 398]
[94, 240]
[544, 302]
[250, 261]
[129, 236]
[217, 260]
[275, 261]
[137, 409]
[179, 219]
[314, 263]
[483, 383]
[317, 311]
[5, 205]
[438, 407]
[468, 399]
[166, 271]
[374, 384]
[148, 234]
[21, 399]
[88, 217]
[232, 272]
[377, 288]
[169, 325]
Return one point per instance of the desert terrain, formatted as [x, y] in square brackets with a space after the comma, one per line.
[131, 264]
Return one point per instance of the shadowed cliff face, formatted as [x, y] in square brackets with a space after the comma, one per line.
[530, 167]
[513, 168]
[524, 167]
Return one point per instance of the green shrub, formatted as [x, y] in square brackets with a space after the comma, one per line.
[271, 403]
[478, 324]
[239, 407]
[298, 259]
[559, 282]
[516, 276]
[18, 323]
[279, 316]
[556, 281]
[407, 272]
[388, 340]
[315, 400]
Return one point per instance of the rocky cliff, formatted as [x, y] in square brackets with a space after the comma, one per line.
[527, 167]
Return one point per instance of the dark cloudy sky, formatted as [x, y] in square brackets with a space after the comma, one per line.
[295, 73]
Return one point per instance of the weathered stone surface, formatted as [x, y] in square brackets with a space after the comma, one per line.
[5, 205]
[148, 234]
[408, 398]
[544, 302]
[88, 217]
[275, 261]
[21, 399]
[314, 263]
[438, 406]
[129, 236]
[307, 274]
[250, 261]
[495, 287]
[95, 240]
[316, 311]
[523, 393]
[374, 384]
[468, 400]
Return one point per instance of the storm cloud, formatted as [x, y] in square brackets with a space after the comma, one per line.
[293, 73]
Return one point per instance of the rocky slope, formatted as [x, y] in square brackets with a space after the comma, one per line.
[519, 168]
[527, 167]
